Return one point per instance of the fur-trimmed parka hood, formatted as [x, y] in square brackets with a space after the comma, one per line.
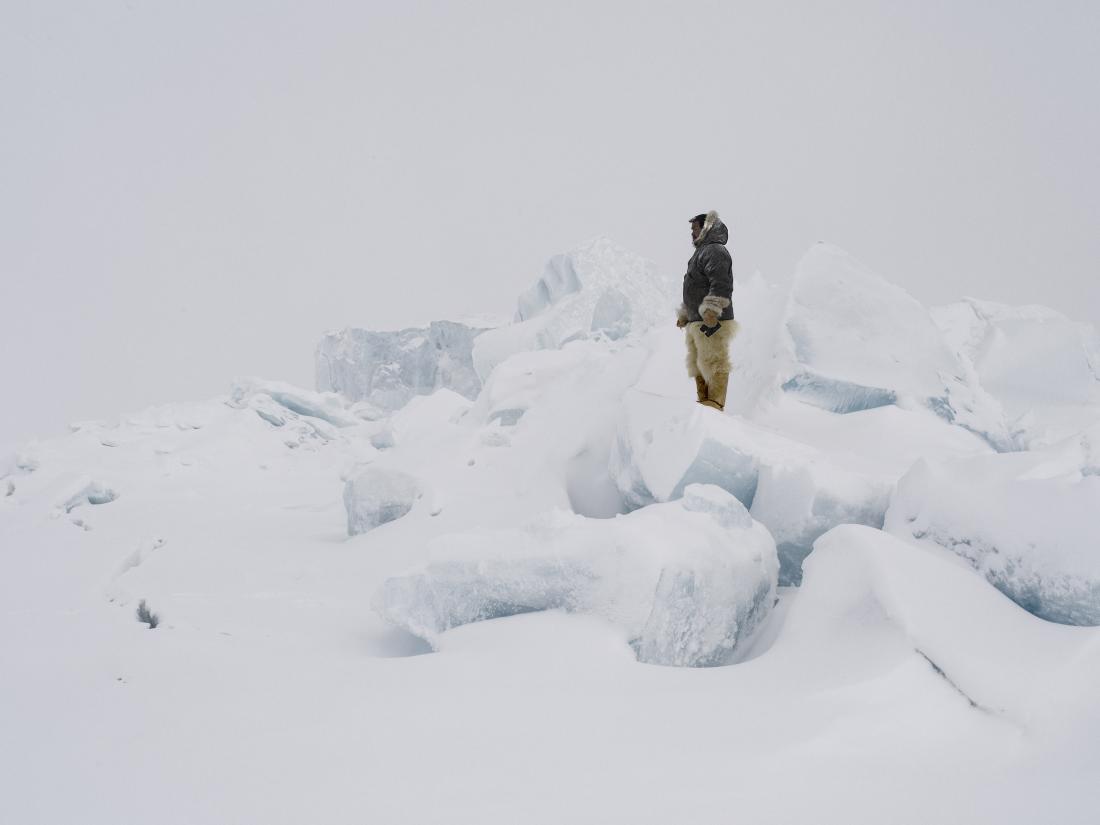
[714, 231]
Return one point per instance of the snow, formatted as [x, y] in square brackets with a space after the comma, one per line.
[846, 322]
[88, 492]
[801, 474]
[1040, 365]
[685, 589]
[277, 403]
[578, 481]
[860, 342]
[377, 496]
[597, 289]
[865, 588]
[1026, 521]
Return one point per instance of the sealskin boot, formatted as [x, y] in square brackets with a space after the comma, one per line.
[716, 391]
[701, 388]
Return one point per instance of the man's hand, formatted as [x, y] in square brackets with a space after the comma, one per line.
[710, 318]
[681, 322]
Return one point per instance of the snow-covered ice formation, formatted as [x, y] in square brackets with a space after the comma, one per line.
[867, 590]
[800, 471]
[859, 341]
[839, 385]
[277, 403]
[389, 368]
[522, 381]
[578, 479]
[1043, 368]
[686, 581]
[1026, 521]
[90, 491]
[597, 290]
[794, 489]
[377, 496]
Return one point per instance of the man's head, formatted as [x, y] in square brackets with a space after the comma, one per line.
[697, 226]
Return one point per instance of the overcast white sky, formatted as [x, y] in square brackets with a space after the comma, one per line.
[192, 191]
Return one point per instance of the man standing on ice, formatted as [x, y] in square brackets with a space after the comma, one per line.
[706, 312]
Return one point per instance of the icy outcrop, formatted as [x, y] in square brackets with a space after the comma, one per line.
[799, 503]
[687, 581]
[795, 490]
[301, 418]
[663, 445]
[866, 590]
[377, 496]
[1023, 354]
[520, 382]
[1025, 521]
[389, 368]
[859, 342]
[1042, 367]
[598, 289]
[838, 396]
[278, 403]
[88, 491]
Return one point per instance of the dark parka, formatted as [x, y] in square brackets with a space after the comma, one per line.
[708, 283]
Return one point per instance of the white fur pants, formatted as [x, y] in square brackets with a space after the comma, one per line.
[708, 356]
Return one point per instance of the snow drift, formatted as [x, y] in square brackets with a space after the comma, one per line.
[867, 590]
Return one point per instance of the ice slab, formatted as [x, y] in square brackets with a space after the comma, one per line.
[846, 322]
[377, 496]
[872, 603]
[800, 502]
[859, 342]
[388, 368]
[1026, 521]
[1041, 366]
[523, 380]
[686, 581]
[302, 418]
[838, 396]
[664, 444]
[596, 290]
[278, 402]
[1026, 353]
[797, 491]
